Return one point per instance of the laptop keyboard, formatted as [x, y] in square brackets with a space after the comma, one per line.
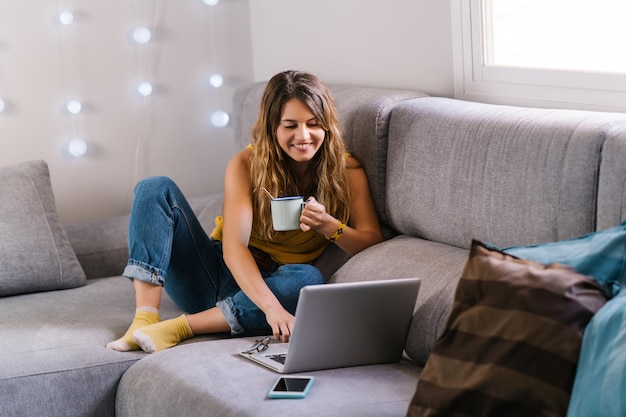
[278, 358]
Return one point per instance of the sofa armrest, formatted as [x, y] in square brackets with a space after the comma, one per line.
[102, 246]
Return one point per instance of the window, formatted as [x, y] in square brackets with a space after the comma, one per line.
[547, 53]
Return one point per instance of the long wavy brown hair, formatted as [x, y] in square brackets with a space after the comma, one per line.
[269, 167]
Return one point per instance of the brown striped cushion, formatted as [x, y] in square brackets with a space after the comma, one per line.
[511, 343]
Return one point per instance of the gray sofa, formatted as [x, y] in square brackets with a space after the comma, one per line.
[442, 172]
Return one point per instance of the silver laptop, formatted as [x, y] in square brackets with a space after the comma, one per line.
[340, 325]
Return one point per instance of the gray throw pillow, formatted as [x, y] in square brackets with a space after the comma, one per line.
[35, 254]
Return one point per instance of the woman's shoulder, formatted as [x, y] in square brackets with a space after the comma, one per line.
[244, 154]
[241, 160]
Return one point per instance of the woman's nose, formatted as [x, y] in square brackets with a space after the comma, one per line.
[302, 132]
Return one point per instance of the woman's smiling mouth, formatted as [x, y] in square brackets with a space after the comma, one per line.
[302, 146]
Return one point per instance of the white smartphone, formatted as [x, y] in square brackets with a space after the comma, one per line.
[291, 387]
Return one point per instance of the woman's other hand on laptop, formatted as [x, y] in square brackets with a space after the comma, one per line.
[281, 322]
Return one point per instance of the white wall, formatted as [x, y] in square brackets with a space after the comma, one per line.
[43, 64]
[385, 43]
[390, 43]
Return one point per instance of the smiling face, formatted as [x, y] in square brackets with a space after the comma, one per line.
[299, 134]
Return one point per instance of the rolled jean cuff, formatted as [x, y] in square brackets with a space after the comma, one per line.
[227, 308]
[144, 272]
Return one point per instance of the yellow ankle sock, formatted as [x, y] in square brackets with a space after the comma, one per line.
[144, 316]
[163, 335]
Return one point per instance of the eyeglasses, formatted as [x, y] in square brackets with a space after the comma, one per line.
[259, 346]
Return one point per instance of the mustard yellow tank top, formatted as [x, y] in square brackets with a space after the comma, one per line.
[292, 247]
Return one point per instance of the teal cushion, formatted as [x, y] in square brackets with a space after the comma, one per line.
[600, 384]
[601, 255]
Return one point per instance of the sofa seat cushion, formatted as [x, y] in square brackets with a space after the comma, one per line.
[35, 254]
[81, 378]
[439, 267]
[52, 348]
[211, 379]
[91, 315]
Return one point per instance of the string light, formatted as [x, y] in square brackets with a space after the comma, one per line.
[66, 17]
[145, 89]
[216, 80]
[2, 105]
[142, 35]
[219, 118]
[71, 77]
[74, 106]
[77, 148]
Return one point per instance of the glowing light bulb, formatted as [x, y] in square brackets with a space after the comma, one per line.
[219, 118]
[2, 105]
[145, 89]
[142, 35]
[77, 147]
[66, 17]
[216, 80]
[211, 2]
[74, 106]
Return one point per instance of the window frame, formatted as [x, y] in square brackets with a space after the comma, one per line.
[476, 81]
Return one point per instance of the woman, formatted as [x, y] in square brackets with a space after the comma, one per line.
[246, 277]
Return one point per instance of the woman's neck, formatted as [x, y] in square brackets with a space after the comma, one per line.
[303, 175]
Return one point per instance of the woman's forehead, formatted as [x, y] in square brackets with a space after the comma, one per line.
[296, 110]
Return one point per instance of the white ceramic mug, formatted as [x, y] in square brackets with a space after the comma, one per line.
[286, 212]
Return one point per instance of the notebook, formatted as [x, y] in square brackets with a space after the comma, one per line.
[346, 324]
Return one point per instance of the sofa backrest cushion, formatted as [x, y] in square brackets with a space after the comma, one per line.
[108, 254]
[612, 187]
[364, 114]
[459, 171]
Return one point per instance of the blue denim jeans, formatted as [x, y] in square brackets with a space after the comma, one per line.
[169, 247]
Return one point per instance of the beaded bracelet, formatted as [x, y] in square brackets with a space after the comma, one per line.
[338, 233]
